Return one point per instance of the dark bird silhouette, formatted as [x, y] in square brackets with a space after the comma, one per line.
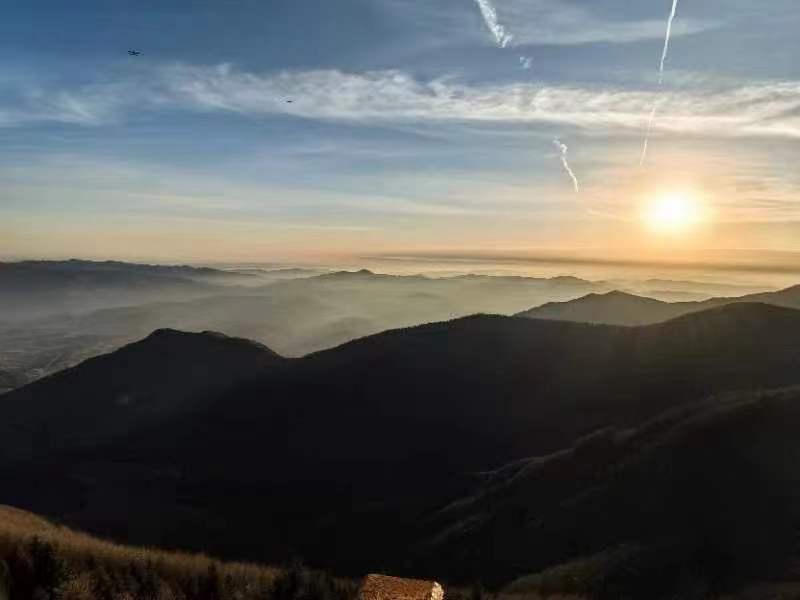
[134, 53]
[290, 102]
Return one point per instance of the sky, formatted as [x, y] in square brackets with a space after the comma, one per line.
[415, 127]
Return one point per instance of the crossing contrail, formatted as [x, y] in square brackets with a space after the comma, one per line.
[499, 32]
[563, 149]
[662, 65]
[649, 131]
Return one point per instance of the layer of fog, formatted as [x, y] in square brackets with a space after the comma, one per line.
[55, 315]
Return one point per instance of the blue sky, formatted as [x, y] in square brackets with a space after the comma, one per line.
[413, 126]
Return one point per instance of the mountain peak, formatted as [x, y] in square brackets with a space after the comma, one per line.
[569, 279]
[176, 336]
[361, 273]
[612, 308]
[168, 374]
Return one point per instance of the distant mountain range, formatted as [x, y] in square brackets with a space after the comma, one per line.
[56, 267]
[620, 308]
[36, 289]
[387, 452]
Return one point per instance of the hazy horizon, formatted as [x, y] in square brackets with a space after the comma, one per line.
[751, 268]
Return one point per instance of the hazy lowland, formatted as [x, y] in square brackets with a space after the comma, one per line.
[540, 436]
[53, 315]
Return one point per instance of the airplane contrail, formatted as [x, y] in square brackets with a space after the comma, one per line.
[563, 149]
[499, 32]
[665, 53]
[662, 65]
[647, 135]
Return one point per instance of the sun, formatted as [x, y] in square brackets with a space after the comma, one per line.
[673, 213]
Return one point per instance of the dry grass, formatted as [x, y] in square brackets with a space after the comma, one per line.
[18, 527]
[51, 562]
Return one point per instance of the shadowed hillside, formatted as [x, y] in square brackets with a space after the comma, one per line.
[163, 376]
[45, 560]
[8, 381]
[703, 497]
[337, 455]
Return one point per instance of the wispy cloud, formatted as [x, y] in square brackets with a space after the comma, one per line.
[544, 22]
[85, 105]
[501, 36]
[767, 108]
[111, 186]
[555, 22]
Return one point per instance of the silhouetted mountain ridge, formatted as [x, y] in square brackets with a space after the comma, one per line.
[88, 266]
[622, 308]
[165, 374]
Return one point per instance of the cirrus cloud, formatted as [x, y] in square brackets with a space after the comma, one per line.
[762, 108]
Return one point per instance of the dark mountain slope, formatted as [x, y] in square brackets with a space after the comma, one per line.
[337, 455]
[612, 308]
[531, 384]
[789, 297]
[709, 491]
[8, 381]
[619, 308]
[160, 377]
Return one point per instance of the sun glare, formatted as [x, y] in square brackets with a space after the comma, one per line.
[673, 213]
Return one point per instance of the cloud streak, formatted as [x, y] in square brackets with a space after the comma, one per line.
[767, 108]
[554, 22]
[563, 149]
[544, 22]
[501, 36]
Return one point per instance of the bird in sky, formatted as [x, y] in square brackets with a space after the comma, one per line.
[134, 53]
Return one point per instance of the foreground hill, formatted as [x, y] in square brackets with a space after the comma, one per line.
[702, 498]
[163, 376]
[338, 455]
[620, 308]
[41, 559]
